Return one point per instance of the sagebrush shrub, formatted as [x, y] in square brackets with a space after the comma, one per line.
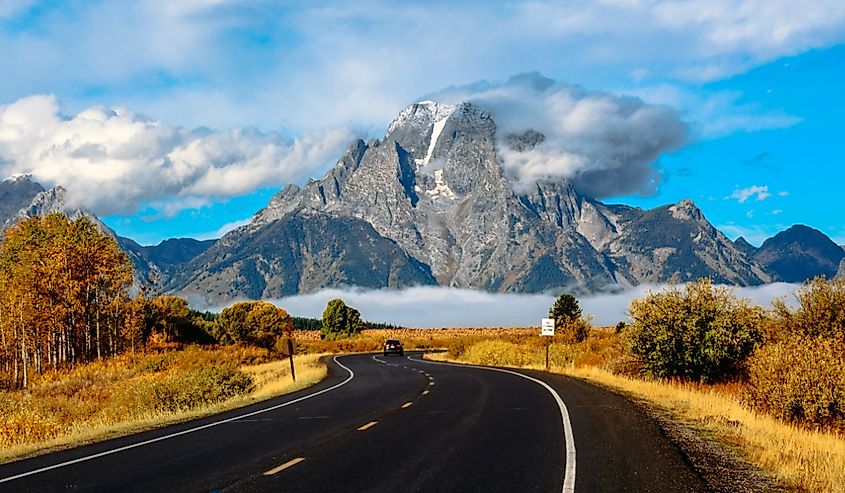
[699, 332]
[799, 375]
[801, 381]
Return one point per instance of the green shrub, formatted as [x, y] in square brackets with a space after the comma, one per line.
[700, 332]
[340, 321]
[568, 321]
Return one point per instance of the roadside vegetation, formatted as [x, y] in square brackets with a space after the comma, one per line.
[769, 383]
[131, 393]
[85, 356]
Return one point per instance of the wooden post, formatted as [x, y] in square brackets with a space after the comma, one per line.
[548, 343]
[290, 355]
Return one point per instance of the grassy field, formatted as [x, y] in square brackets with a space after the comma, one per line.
[801, 459]
[132, 393]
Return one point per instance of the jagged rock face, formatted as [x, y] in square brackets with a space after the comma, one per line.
[21, 197]
[435, 186]
[299, 253]
[16, 193]
[840, 274]
[800, 253]
[676, 243]
[743, 246]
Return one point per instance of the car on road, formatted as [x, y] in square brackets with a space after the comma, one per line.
[393, 346]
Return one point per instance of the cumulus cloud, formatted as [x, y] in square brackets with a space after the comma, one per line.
[606, 144]
[427, 307]
[113, 160]
[757, 192]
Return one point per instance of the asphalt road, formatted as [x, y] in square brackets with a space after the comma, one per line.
[389, 424]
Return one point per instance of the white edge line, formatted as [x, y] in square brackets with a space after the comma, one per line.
[569, 469]
[183, 432]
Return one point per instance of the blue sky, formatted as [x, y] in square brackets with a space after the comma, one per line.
[182, 118]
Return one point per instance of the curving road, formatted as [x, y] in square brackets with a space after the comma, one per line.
[389, 424]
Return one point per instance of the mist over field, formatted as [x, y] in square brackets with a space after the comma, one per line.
[427, 307]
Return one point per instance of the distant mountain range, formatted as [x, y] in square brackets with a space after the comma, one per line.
[796, 254]
[21, 197]
[431, 204]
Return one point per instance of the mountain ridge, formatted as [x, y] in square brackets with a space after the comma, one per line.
[431, 203]
[435, 186]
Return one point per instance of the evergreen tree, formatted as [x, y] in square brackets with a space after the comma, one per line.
[340, 320]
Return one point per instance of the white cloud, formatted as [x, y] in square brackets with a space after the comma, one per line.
[777, 212]
[783, 194]
[113, 161]
[309, 64]
[607, 144]
[449, 307]
[700, 40]
[757, 192]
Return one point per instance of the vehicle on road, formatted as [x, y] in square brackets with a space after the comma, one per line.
[393, 346]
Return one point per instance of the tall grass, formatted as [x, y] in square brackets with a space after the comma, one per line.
[132, 393]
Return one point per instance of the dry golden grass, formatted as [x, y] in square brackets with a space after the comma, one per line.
[308, 341]
[803, 459]
[128, 394]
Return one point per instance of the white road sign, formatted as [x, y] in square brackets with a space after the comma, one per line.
[547, 327]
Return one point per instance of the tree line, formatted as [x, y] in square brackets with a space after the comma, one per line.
[66, 297]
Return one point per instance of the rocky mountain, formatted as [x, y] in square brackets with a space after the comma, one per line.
[742, 245]
[21, 197]
[800, 253]
[16, 193]
[434, 195]
[300, 253]
[431, 204]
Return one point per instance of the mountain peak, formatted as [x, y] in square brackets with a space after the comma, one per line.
[800, 253]
[742, 245]
[686, 210]
[19, 177]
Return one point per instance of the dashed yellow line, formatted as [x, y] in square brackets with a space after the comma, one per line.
[284, 466]
[425, 392]
[407, 405]
[368, 426]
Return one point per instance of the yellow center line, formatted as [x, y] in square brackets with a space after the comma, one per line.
[431, 383]
[368, 426]
[425, 392]
[406, 405]
[284, 466]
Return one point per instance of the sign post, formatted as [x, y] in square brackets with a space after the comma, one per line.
[547, 330]
[290, 355]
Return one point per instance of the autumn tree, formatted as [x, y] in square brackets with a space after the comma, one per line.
[64, 295]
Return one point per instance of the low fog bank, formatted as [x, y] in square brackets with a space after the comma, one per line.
[427, 307]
